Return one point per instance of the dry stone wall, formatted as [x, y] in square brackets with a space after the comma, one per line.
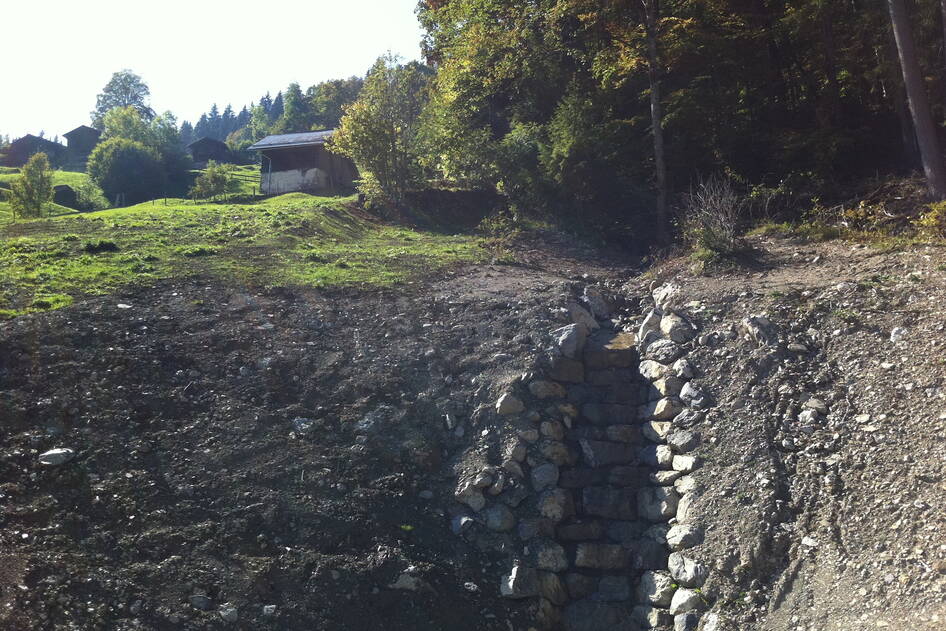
[593, 486]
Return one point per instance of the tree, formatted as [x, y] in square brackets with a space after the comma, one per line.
[126, 122]
[30, 192]
[329, 99]
[127, 171]
[297, 112]
[933, 165]
[380, 130]
[215, 180]
[186, 133]
[125, 88]
[652, 28]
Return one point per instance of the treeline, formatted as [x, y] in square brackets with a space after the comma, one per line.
[609, 110]
[319, 107]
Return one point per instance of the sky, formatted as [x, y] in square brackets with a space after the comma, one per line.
[59, 54]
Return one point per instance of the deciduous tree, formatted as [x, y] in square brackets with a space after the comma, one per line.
[33, 190]
[125, 88]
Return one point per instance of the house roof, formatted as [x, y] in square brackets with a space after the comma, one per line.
[36, 140]
[292, 140]
[208, 141]
[83, 129]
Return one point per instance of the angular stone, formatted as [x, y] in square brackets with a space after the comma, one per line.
[467, 493]
[643, 343]
[664, 478]
[649, 617]
[580, 585]
[542, 389]
[656, 431]
[662, 410]
[613, 589]
[548, 555]
[499, 518]
[657, 503]
[584, 530]
[657, 456]
[580, 478]
[610, 349]
[552, 588]
[627, 476]
[552, 429]
[548, 615]
[630, 434]
[609, 503]
[599, 304]
[652, 371]
[682, 536]
[694, 396]
[664, 351]
[685, 507]
[686, 464]
[601, 556]
[570, 340]
[683, 369]
[595, 615]
[567, 370]
[687, 418]
[651, 324]
[683, 441]
[685, 599]
[655, 588]
[687, 572]
[689, 621]
[686, 484]
[668, 386]
[56, 457]
[544, 476]
[599, 453]
[609, 413]
[557, 452]
[509, 404]
[582, 318]
[556, 504]
[648, 554]
[677, 328]
[521, 582]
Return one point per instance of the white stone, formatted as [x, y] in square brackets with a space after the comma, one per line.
[684, 600]
[683, 369]
[652, 371]
[656, 431]
[657, 503]
[687, 572]
[651, 324]
[655, 588]
[676, 328]
[685, 464]
[58, 456]
[682, 536]
[570, 340]
[668, 297]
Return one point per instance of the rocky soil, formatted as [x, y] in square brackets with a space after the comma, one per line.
[189, 456]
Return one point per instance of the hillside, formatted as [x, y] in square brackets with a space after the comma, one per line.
[293, 457]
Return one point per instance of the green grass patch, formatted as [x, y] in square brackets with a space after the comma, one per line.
[293, 239]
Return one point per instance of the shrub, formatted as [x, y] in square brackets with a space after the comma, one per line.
[90, 197]
[712, 212]
[30, 192]
[127, 171]
[933, 222]
[216, 179]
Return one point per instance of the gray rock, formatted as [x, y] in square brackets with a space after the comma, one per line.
[56, 457]
[662, 410]
[509, 404]
[685, 507]
[570, 340]
[521, 582]
[581, 317]
[585, 530]
[461, 523]
[684, 600]
[655, 588]
[657, 503]
[688, 418]
[580, 585]
[542, 389]
[499, 518]
[269, 610]
[817, 405]
[683, 369]
[664, 478]
[759, 330]
[601, 556]
[656, 431]
[664, 351]
[303, 425]
[229, 613]
[652, 371]
[649, 617]
[668, 297]
[686, 464]
[552, 588]
[548, 555]
[556, 505]
[683, 441]
[682, 536]
[200, 601]
[687, 572]
[657, 456]
[712, 622]
[685, 484]
[694, 396]
[651, 324]
[689, 621]
[613, 589]
[599, 305]
[677, 328]
[649, 554]
[468, 493]
[544, 476]
[649, 338]
[669, 386]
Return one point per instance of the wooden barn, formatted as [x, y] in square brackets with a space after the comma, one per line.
[21, 149]
[81, 141]
[300, 162]
[206, 149]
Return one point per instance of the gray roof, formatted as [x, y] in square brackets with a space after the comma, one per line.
[292, 140]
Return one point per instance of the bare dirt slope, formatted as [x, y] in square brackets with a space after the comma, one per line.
[831, 520]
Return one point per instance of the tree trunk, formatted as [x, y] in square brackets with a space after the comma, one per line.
[651, 18]
[896, 92]
[942, 8]
[933, 165]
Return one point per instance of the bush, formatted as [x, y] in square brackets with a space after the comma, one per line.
[933, 222]
[712, 212]
[30, 192]
[128, 172]
[216, 179]
[90, 197]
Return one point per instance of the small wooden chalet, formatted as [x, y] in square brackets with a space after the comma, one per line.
[81, 141]
[21, 149]
[300, 162]
[206, 149]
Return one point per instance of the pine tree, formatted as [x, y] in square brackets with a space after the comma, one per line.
[276, 111]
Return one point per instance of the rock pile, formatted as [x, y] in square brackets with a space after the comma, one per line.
[594, 486]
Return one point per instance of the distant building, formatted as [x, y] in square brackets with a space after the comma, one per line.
[65, 195]
[21, 149]
[205, 149]
[81, 141]
[300, 162]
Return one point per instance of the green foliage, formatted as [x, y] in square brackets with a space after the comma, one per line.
[329, 99]
[215, 180]
[90, 196]
[33, 190]
[127, 170]
[933, 222]
[297, 113]
[124, 89]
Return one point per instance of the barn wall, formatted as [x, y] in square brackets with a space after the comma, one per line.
[279, 182]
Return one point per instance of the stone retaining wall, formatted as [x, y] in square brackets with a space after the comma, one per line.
[594, 483]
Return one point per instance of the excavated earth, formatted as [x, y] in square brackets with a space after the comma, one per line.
[289, 459]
